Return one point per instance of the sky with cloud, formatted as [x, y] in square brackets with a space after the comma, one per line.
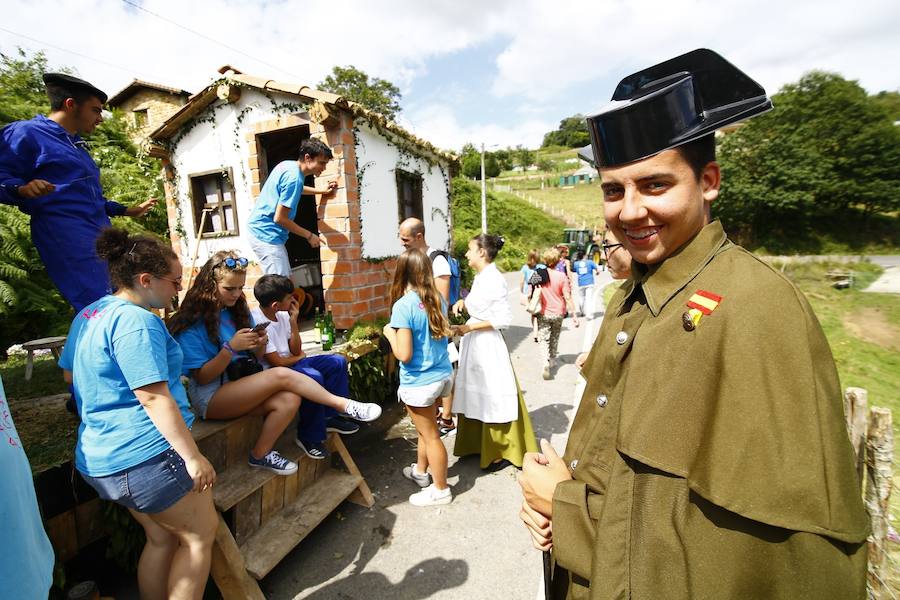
[502, 72]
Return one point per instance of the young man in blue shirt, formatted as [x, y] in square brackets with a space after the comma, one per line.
[47, 172]
[272, 218]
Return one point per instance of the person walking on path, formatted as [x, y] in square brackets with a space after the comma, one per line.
[418, 332]
[213, 327]
[527, 270]
[585, 269]
[676, 481]
[272, 217]
[279, 308]
[493, 420]
[47, 172]
[134, 441]
[556, 299]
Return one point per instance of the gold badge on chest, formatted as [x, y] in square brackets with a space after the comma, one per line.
[701, 304]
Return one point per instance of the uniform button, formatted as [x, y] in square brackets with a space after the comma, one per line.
[621, 337]
[602, 400]
[573, 464]
[687, 322]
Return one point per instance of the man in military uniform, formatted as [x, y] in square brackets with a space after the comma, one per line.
[47, 172]
[708, 457]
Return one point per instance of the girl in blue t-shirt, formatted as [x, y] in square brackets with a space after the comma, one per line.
[134, 446]
[418, 336]
[214, 328]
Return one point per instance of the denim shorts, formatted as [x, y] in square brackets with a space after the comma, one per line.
[200, 395]
[423, 396]
[150, 487]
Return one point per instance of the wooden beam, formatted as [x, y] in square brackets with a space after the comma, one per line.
[228, 568]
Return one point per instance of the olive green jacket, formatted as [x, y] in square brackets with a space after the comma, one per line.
[710, 458]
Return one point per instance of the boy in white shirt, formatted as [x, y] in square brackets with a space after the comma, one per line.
[279, 308]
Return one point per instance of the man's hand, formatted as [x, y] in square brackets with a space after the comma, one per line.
[141, 209]
[541, 472]
[580, 359]
[316, 240]
[35, 189]
[539, 526]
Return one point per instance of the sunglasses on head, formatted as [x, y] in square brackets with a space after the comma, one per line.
[233, 263]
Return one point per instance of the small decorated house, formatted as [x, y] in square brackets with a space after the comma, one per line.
[146, 105]
[219, 147]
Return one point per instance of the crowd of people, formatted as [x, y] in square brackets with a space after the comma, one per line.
[679, 479]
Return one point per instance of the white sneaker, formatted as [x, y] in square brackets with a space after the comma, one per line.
[431, 496]
[362, 411]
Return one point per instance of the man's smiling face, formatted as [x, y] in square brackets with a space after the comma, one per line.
[656, 205]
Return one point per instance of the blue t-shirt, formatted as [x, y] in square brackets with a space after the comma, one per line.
[526, 272]
[585, 269]
[26, 556]
[430, 361]
[198, 348]
[114, 347]
[284, 186]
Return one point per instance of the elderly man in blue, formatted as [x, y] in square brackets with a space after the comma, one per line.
[47, 172]
[272, 219]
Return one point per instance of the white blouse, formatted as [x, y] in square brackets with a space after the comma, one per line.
[487, 301]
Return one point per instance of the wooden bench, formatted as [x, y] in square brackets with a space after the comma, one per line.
[263, 516]
[53, 344]
[840, 279]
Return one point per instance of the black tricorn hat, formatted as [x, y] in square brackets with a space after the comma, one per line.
[71, 84]
[669, 104]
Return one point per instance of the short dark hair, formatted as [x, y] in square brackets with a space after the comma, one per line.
[699, 153]
[272, 288]
[315, 148]
[129, 255]
[491, 244]
[58, 94]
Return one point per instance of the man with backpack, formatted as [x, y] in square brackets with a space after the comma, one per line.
[446, 280]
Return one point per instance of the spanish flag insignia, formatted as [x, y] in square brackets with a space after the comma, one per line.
[701, 303]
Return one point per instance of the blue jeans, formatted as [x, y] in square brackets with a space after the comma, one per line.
[149, 487]
[329, 371]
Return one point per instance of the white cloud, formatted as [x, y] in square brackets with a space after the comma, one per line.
[440, 124]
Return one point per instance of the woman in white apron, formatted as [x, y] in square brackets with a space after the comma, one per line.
[493, 419]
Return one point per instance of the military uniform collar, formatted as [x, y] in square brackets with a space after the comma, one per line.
[660, 282]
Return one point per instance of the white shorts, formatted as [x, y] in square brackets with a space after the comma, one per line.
[422, 396]
[273, 258]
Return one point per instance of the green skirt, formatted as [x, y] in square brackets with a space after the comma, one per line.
[494, 441]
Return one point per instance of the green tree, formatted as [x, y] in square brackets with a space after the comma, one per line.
[376, 94]
[825, 153]
[523, 157]
[572, 133]
[890, 102]
[471, 164]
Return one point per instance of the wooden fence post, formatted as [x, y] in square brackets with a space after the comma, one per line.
[856, 411]
[879, 468]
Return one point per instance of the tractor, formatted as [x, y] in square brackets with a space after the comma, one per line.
[584, 240]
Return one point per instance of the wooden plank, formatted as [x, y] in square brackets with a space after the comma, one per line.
[275, 539]
[213, 447]
[306, 472]
[272, 498]
[63, 534]
[89, 522]
[228, 569]
[239, 480]
[363, 495]
[241, 436]
[856, 411]
[291, 487]
[879, 456]
[246, 516]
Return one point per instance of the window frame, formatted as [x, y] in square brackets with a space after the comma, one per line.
[417, 189]
[225, 177]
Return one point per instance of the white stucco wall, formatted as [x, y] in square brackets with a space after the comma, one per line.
[205, 148]
[378, 159]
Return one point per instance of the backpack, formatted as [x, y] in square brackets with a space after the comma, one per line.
[454, 275]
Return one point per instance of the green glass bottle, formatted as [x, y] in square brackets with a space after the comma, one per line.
[328, 330]
[317, 328]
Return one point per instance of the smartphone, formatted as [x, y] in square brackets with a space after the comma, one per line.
[260, 327]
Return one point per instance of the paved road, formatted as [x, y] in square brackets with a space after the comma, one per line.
[474, 548]
[889, 282]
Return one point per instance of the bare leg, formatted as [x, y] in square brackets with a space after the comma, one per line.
[156, 558]
[193, 522]
[279, 410]
[238, 398]
[435, 453]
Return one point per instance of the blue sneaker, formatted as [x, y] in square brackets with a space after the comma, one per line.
[314, 450]
[273, 462]
[341, 426]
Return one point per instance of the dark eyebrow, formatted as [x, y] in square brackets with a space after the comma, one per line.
[608, 186]
[654, 177]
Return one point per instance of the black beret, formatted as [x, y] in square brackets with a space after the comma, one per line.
[70, 83]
